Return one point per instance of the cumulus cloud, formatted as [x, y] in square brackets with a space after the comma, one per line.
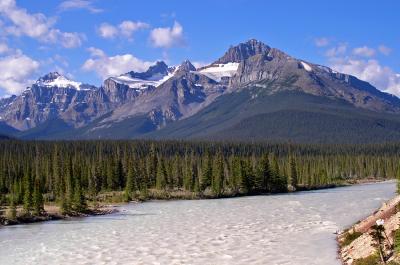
[199, 64]
[370, 70]
[167, 37]
[125, 29]
[384, 49]
[358, 62]
[337, 51]
[321, 42]
[105, 66]
[94, 52]
[21, 23]
[79, 4]
[107, 31]
[17, 69]
[3, 48]
[364, 51]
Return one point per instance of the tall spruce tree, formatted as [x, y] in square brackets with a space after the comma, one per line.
[161, 182]
[218, 175]
[293, 177]
[38, 203]
[206, 173]
[28, 190]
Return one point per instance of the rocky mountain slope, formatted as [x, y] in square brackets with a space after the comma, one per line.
[267, 85]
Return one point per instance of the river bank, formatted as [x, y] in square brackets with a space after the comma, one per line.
[356, 244]
[295, 229]
[53, 212]
[109, 201]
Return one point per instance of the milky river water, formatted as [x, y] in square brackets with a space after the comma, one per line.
[281, 229]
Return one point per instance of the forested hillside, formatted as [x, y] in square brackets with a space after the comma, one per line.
[73, 173]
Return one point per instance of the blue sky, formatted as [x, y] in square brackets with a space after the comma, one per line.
[90, 40]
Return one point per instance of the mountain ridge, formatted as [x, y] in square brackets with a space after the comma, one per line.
[163, 95]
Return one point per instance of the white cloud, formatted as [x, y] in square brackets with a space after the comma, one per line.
[37, 26]
[199, 64]
[337, 51]
[364, 51]
[94, 52]
[384, 49]
[16, 71]
[107, 31]
[382, 77]
[125, 29]
[79, 4]
[167, 37]
[106, 66]
[3, 48]
[321, 42]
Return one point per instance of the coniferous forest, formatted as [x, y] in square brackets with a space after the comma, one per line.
[74, 174]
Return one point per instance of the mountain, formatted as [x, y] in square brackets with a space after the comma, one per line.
[253, 92]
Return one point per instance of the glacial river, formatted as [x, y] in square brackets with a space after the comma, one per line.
[281, 229]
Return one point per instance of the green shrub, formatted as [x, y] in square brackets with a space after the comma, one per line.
[350, 237]
[370, 260]
[397, 241]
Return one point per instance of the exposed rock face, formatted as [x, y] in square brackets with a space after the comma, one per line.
[243, 51]
[180, 96]
[160, 68]
[76, 105]
[362, 246]
[277, 71]
[167, 94]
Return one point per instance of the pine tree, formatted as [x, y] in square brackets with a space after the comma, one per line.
[28, 191]
[38, 204]
[293, 177]
[218, 175]
[161, 175]
[195, 176]
[264, 173]
[237, 178]
[398, 180]
[188, 175]
[279, 180]
[12, 211]
[79, 202]
[130, 183]
[119, 175]
[206, 174]
[69, 186]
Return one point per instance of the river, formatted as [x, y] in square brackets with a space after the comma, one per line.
[293, 228]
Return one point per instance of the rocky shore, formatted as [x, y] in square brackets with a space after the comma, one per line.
[52, 213]
[357, 244]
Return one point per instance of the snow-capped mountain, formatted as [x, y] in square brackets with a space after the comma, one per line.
[56, 80]
[154, 76]
[161, 99]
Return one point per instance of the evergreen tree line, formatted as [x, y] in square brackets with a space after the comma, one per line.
[72, 172]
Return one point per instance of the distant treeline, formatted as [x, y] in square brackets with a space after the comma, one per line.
[72, 172]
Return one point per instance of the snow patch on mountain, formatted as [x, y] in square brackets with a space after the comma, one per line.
[217, 71]
[137, 83]
[61, 82]
[306, 66]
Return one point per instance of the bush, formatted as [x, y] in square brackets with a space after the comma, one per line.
[370, 260]
[397, 241]
[350, 237]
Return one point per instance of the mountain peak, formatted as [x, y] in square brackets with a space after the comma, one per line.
[243, 51]
[186, 66]
[54, 79]
[49, 77]
[159, 69]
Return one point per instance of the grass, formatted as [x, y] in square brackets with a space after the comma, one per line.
[350, 237]
[370, 260]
